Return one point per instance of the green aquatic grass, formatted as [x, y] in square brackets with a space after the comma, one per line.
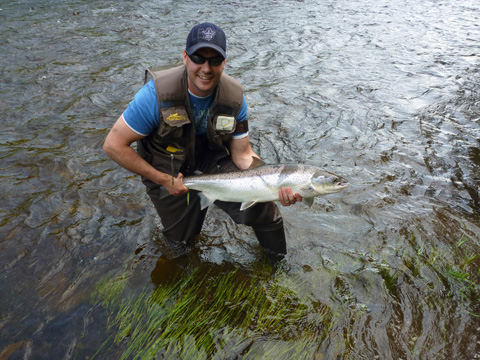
[462, 273]
[218, 312]
[458, 267]
[214, 316]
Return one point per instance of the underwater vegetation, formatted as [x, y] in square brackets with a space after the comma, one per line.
[211, 311]
[214, 316]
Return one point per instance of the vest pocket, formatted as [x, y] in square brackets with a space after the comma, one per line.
[171, 132]
[224, 124]
[169, 160]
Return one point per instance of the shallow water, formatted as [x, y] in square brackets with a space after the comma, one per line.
[386, 95]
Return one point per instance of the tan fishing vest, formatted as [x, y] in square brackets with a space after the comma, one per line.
[171, 148]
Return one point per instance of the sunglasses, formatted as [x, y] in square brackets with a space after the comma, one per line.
[198, 59]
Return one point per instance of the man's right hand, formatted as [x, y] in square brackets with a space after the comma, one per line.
[177, 188]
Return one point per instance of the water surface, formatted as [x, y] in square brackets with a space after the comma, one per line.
[384, 94]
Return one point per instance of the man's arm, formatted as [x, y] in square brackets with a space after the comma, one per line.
[242, 155]
[117, 146]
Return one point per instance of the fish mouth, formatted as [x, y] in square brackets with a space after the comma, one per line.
[342, 183]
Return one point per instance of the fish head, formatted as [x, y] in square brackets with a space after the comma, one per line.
[324, 182]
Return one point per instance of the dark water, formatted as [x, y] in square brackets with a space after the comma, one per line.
[384, 93]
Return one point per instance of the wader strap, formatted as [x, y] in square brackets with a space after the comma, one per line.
[242, 127]
[146, 76]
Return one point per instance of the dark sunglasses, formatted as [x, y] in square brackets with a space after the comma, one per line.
[198, 59]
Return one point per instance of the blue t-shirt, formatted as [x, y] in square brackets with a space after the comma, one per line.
[142, 113]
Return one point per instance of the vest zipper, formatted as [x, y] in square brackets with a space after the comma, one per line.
[173, 169]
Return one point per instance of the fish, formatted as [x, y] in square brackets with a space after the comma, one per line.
[262, 184]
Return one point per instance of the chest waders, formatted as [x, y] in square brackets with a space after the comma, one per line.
[173, 148]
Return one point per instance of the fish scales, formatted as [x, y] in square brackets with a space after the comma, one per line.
[263, 183]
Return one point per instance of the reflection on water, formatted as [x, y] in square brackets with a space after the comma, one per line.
[383, 94]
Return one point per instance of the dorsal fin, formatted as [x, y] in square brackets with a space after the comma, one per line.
[256, 162]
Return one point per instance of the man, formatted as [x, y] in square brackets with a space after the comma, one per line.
[189, 118]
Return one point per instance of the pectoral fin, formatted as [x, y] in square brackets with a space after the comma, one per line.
[306, 190]
[247, 204]
[308, 201]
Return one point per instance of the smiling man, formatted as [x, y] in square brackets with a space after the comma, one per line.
[188, 118]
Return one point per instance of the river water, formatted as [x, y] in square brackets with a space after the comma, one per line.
[383, 93]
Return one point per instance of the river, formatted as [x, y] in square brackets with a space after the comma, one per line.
[383, 93]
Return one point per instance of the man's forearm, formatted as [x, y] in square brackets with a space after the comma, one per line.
[128, 158]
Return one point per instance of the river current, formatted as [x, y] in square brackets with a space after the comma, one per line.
[385, 94]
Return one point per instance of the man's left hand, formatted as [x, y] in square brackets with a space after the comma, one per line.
[287, 198]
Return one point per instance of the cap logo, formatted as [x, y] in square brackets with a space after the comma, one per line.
[209, 34]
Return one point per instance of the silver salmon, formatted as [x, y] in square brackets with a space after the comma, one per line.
[262, 184]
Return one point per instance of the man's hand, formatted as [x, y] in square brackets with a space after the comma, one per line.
[177, 188]
[287, 198]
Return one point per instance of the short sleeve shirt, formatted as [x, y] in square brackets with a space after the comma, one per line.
[142, 113]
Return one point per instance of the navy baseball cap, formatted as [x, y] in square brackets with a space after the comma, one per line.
[207, 35]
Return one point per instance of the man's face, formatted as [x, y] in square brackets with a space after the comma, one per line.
[203, 78]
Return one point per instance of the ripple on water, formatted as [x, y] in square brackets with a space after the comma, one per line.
[384, 94]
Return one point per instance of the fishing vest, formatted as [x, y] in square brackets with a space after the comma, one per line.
[171, 147]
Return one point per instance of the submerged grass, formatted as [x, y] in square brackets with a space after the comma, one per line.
[218, 312]
[214, 315]
[458, 267]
